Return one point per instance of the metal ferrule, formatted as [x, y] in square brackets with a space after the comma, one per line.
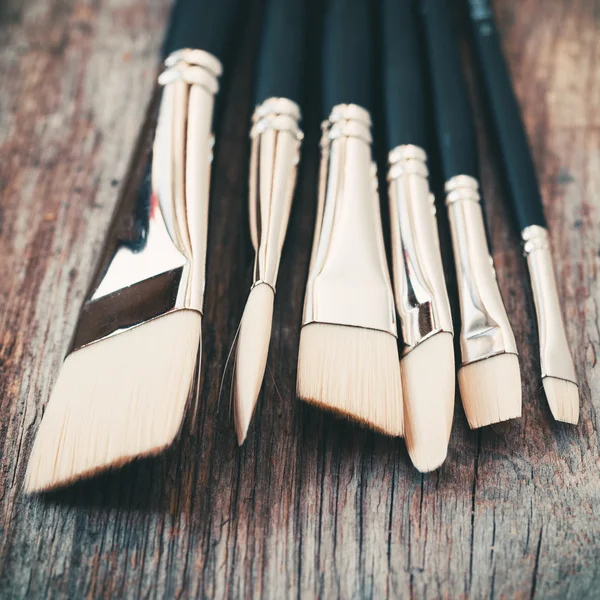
[556, 360]
[486, 330]
[154, 259]
[419, 284]
[349, 282]
[276, 139]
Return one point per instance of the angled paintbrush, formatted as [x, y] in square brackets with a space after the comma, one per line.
[419, 285]
[558, 371]
[275, 136]
[489, 378]
[124, 386]
[348, 360]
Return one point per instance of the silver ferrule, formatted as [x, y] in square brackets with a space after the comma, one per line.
[155, 256]
[556, 360]
[486, 330]
[419, 285]
[349, 282]
[275, 138]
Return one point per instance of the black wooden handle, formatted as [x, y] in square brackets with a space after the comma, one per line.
[347, 54]
[282, 57]
[505, 117]
[403, 84]
[454, 122]
[202, 24]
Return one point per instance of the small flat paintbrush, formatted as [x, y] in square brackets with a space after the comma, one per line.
[489, 378]
[348, 360]
[558, 371]
[124, 386]
[276, 137]
[427, 363]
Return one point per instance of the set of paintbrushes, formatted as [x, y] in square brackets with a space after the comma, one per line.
[125, 384]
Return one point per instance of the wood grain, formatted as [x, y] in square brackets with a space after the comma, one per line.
[310, 506]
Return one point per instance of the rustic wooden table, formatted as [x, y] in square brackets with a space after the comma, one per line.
[310, 506]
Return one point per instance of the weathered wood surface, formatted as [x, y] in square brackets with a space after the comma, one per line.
[310, 506]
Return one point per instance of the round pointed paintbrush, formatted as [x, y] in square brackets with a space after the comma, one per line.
[419, 285]
[275, 138]
[489, 378]
[558, 371]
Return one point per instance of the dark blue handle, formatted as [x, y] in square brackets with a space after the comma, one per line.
[347, 54]
[505, 118]
[454, 123]
[202, 24]
[282, 57]
[404, 95]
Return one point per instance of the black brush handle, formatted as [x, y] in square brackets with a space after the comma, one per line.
[281, 60]
[454, 122]
[403, 74]
[203, 25]
[505, 117]
[347, 54]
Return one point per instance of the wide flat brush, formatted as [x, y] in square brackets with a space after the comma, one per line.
[558, 370]
[489, 378]
[124, 386]
[427, 363]
[276, 138]
[348, 359]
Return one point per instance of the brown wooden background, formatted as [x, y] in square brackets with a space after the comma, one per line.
[310, 506]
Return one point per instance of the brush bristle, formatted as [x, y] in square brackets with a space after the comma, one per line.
[251, 355]
[115, 400]
[563, 399]
[491, 390]
[428, 383]
[354, 372]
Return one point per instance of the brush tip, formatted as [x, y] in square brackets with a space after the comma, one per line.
[428, 382]
[353, 372]
[251, 355]
[116, 400]
[491, 390]
[563, 399]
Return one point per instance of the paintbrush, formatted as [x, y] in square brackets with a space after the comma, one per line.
[558, 372]
[419, 285]
[489, 378]
[348, 359]
[275, 138]
[125, 383]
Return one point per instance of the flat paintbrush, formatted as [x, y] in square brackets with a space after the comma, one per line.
[124, 386]
[558, 371]
[275, 137]
[348, 360]
[489, 378]
[427, 363]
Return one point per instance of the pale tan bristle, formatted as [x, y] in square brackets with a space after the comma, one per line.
[428, 383]
[563, 399]
[115, 400]
[251, 355]
[354, 372]
[491, 390]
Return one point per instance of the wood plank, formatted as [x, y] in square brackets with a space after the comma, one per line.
[310, 506]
